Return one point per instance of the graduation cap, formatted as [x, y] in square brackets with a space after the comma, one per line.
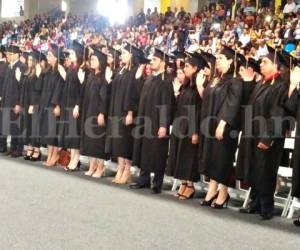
[179, 54]
[142, 59]
[248, 63]
[290, 46]
[100, 55]
[38, 55]
[291, 61]
[14, 49]
[196, 59]
[56, 51]
[135, 51]
[276, 57]
[25, 54]
[230, 54]
[78, 48]
[210, 58]
[161, 55]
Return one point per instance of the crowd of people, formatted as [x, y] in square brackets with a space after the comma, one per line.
[170, 93]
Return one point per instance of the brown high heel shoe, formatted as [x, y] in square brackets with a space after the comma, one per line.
[181, 189]
[188, 195]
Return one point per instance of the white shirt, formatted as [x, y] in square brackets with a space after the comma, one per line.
[288, 8]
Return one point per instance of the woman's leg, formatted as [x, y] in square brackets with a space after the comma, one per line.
[50, 152]
[182, 187]
[92, 167]
[121, 167]
[223, 194]
[126, 173]
[212, 190]
[55, 157]
[189, 191]
[100, 169]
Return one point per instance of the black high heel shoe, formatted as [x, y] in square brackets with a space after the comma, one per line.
[221, 206]
[184, 184]
[297, 222]
[75, 169]
[28, 157]
[39, 158]
[205, 203]
[190, 196]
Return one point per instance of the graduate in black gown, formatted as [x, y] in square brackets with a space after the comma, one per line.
[28, 88]
[219, 136]
[3, 68]
[263, 136]
[49, 107]
[69, 126]
[153, 122]
[123, 109]
[93, 114]
[293, 106]
[10, 101]
[184, 139]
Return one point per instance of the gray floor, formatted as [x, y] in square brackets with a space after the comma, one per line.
[50, 209]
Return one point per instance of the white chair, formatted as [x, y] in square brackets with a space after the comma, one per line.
[295, 205]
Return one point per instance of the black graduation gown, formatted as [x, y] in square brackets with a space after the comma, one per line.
[28, 84]
[69, 128]
[293, 107]
[124, 97]
[92, 139]
[3, 68]
[11, 92]
[155, 111]
[50, 97]
[220, 102]
[183, 155]
[259, 167]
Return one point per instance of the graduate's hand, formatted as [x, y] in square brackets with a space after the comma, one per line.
[195, 139]
[140, 71]
[263, 146]
[247, 75]
[17, 109]
[162, 132]
[62, 71]
[220, 131]
[30, 109]
[56, 111]
[200, 79]
[76, 112]
[81, 75]
[101, 120]
[38, 70]
[108, 74]
[129, 119]
[18, 74]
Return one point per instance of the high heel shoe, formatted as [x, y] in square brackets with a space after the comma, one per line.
[188, 196]
[208, 203]
[99, 174]
[183, 187]
[38, 158]
[221, 206]
[28, 157]
[73, 169]
[297, 222]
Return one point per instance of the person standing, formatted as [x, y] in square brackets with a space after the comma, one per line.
[93, 114]
[153, 122]
[69, 127]
[123, 109]
[49, 106]
[263, 136]
[219, 121]
[184, 139]
[10, 101]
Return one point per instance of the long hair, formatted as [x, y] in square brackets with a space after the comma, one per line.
[31, 70]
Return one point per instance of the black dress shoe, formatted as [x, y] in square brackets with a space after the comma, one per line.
[156, 190]
[138, 186]
[249, 210]
[267, 216]
[297, 222]
[39, 158]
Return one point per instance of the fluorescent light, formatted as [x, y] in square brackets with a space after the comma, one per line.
[64, 6]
